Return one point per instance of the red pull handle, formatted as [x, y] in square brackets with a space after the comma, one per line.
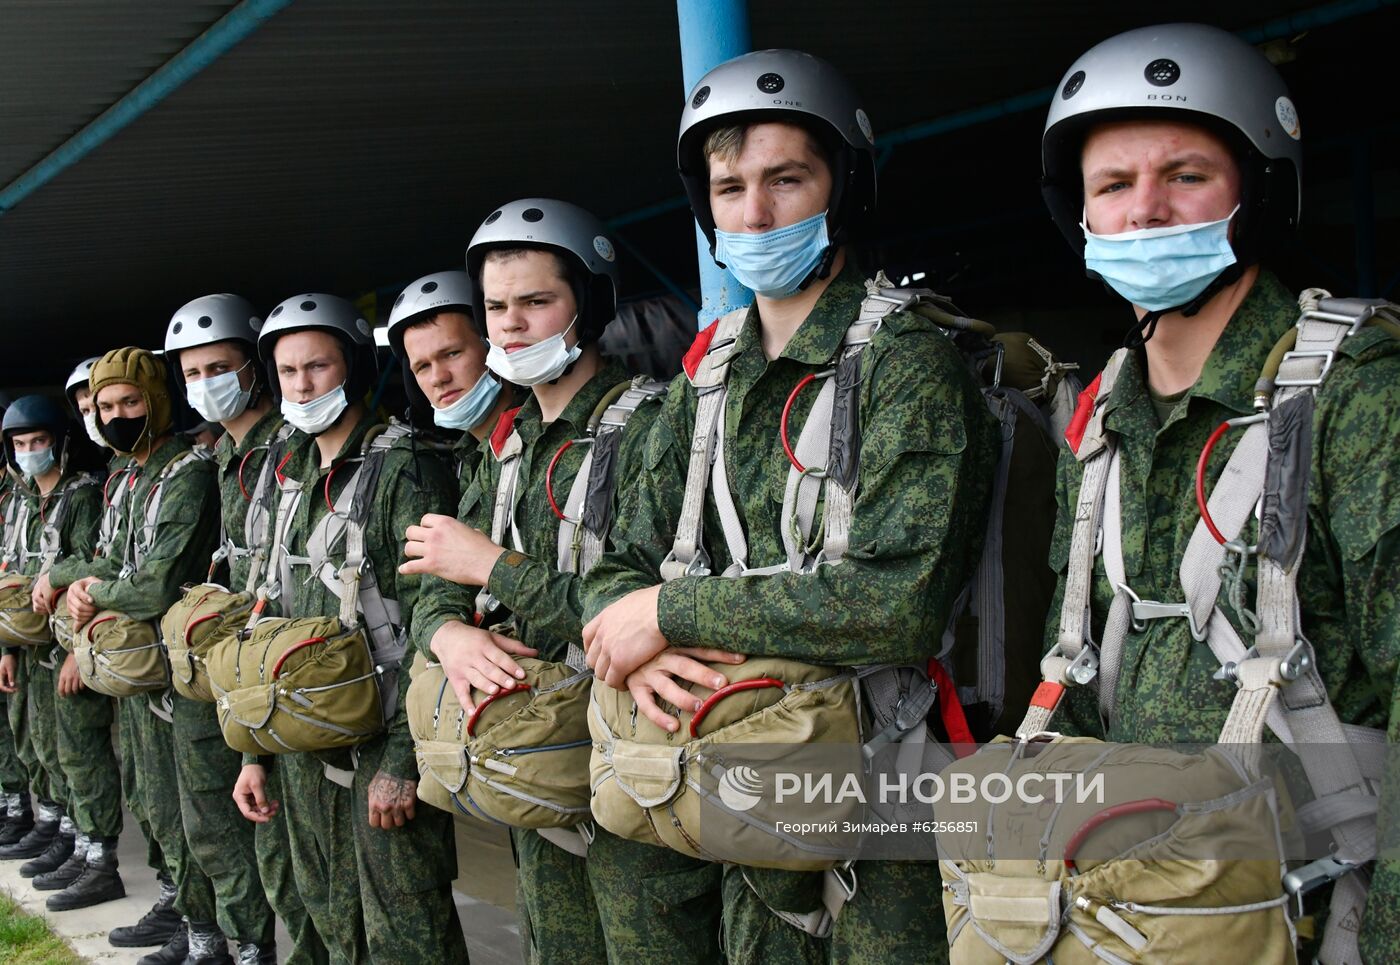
[805, 381]
[728, 690]
[471, 721]
[1144, 806]
[96, 623]
[277, 667]
[194, 623]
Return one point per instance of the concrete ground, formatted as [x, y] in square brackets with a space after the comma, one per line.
[484, 890]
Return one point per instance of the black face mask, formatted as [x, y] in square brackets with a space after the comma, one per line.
[124, 434]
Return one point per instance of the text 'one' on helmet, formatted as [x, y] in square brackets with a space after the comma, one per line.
[1184, 72]
[442, 291]
[317, 311]
[567, 230]
[790, 86]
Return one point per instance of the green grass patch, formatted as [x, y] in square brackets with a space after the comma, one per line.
[27, 940]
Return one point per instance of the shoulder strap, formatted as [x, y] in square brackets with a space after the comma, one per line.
[141, 542]
[51, 537]
[507, 449]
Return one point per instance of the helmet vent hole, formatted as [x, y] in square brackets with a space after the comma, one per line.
[701, 95]
[177, 327]
[399, 301]
[1162, 72]
[771, 83]
[532, 215]
[276, 311]
[204, 321]
[429, 287]
[308, 306]
[494, 216]
[1072, 85]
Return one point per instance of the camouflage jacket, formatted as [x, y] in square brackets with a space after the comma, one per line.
[239, 468]
[413, 481]
[180, 543]
[74, 566]
[928, 450]
[545, 602]
[78, 533]
[1347, 585]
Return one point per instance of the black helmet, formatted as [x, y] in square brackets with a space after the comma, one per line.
[31, 413]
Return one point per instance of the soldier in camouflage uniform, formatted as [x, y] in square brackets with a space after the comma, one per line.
[444, 364]
[927, 454]
[62, 507]
[98, 782]
[141, 580]
[375, 873]
[213, 342]
[1124, 161]
[626, 901]
[14, 773]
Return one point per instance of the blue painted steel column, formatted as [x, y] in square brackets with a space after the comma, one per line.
[198, 54]
[713, 31]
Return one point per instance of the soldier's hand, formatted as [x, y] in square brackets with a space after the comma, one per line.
[9, 664]
[472, 657]
[391, 801]
[70, 681]
[41, 597]
[659, 676]
[624, 636]
[450, 549]
[80, 604]
[250, 794]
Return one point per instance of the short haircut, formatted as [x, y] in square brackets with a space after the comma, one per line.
[432, 318]
[727, 143]
[497, 255]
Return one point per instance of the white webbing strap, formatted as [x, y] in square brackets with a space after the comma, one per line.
[141, 544]
[503, 510]
[687, 556]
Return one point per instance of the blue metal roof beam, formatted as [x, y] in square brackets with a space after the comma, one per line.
[198, 54]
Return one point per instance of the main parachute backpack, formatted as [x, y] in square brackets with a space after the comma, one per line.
[521, 758]
[1187, 910]
[316, 683]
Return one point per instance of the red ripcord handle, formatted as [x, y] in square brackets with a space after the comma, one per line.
[277, 667]
[96, 623]
[1215, 437]
[194, 623]
[247, 496]
[549, 480]
[471, 721]
[1144, 806]
[759, 683]
[783, 425]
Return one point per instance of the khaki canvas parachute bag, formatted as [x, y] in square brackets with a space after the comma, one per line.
[208, 612]
[316, 683]
[1188, 911]
[20, 625]
[117, 655]
[521, 759]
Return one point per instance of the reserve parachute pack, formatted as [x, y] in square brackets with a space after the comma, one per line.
[209, 612]
[117, 655]
[649, 784]
[521, 758]
[316, 683]
[20, 625]
[1188, 909]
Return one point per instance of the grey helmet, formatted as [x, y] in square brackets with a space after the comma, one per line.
[1189, 72]
[210, 319]
[782, 85]
[31, 412]
[439, 292]
[327, 313]
[565, 229]
[78, 379]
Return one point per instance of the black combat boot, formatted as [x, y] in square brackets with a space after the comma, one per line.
[98, 881]
[59, 853]
[173, 952]
[208, 946]
[38, 838]
[156, 926]
[18, 818]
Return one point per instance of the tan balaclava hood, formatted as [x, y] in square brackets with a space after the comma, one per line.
[138, 367]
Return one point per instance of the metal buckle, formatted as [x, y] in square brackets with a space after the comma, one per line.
[1357, 322]
[1328, 356]
[1300, 881]
[1144, 610]
[1083, 668]
[849, 887]
[1297, 662]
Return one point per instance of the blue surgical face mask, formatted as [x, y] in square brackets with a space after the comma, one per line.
[1161, 268]
[319, 414]
[35, 463]
[471, 406]
[774, 264]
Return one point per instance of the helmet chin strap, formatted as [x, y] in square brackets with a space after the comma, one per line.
[1140, 333]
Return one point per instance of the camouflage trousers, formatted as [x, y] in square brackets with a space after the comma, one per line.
[555, 903]
[896, 916]
[274, 854]
[153, 742]
[374, 895]
[130, 714]
[40, 687]
[13, 777]
[17, 709]
[220, 839]
[88, 762]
